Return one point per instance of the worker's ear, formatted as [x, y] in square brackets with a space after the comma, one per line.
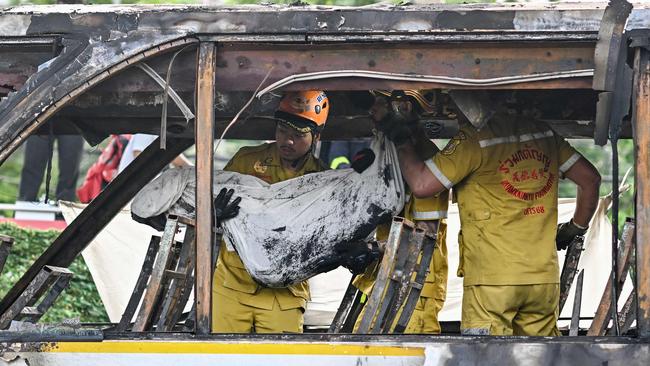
[315, 137]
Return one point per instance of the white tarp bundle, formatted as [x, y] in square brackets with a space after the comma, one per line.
[290, 231]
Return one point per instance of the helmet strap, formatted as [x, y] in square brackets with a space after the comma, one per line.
[302, 159]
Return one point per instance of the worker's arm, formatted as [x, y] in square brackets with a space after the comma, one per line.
[181, 161]
[587, 178]
[417, 175]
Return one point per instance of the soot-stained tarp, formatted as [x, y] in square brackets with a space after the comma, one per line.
[290, 231]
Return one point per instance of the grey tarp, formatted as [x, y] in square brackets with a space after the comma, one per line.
[290, 231]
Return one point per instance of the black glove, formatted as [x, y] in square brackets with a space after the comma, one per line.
[433, 130]
[398, 132]
[356, 256]
[156, 222]
[223, 208]
[362, 160]
[566, 233]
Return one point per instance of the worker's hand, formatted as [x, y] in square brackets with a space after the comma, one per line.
[433, 130]
[223, 208]
[356, 256]
[362, 160]
[566, 233]
[156, 222]
[398, 132]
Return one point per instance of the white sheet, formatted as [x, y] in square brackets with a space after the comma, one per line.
[289, 231]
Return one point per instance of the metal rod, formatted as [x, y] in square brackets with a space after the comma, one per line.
[577, 302]
[204, 137]
[641, 128]
[615, 195]
[344, 308]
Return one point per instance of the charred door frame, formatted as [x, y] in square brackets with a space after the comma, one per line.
[41, 99]
[641, 128]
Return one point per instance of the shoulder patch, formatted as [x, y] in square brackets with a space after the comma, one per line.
[453, 143]
[259, 167]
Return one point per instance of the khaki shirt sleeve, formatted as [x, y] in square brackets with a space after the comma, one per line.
[567, 155]
[234, 164]
[430, 208]
[460, 158]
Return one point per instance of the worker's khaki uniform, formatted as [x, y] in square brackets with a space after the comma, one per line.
[239, 304]
[506, 181]
[425, 315]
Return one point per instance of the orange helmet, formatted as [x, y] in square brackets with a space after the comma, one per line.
[304, 111]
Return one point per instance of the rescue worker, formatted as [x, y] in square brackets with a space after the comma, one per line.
[239, 304]
[505, 177]
[407, 107]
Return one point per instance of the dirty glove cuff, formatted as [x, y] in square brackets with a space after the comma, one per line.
[400, 134]
[566, 232]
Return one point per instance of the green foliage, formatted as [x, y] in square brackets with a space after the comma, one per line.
[10, 179]
[80, 299]
[601, 158]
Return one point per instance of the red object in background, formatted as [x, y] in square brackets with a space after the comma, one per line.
[37, 224]
[104, 170]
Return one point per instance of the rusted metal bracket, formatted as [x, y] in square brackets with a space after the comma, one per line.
[190, 319]
[140, 285]
[397, 230]
[408, 251]
[570, 268]
[577, 302]
[344, 309]
[154, 288]
[204, 138]
[181, 280]
[604, 311]
[612, 75]
[641, 131]
[627, 315]
[407, 257]
[416, 285]
[49, 282]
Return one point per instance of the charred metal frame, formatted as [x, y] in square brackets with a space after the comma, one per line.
[236, 49]
[641, 125]
[205, 85]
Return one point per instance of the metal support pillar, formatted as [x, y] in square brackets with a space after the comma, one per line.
[204, 136]
[641, 127]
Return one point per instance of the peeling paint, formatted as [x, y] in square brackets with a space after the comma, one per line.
[557, 20]
[413, 25]
[16, 25]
